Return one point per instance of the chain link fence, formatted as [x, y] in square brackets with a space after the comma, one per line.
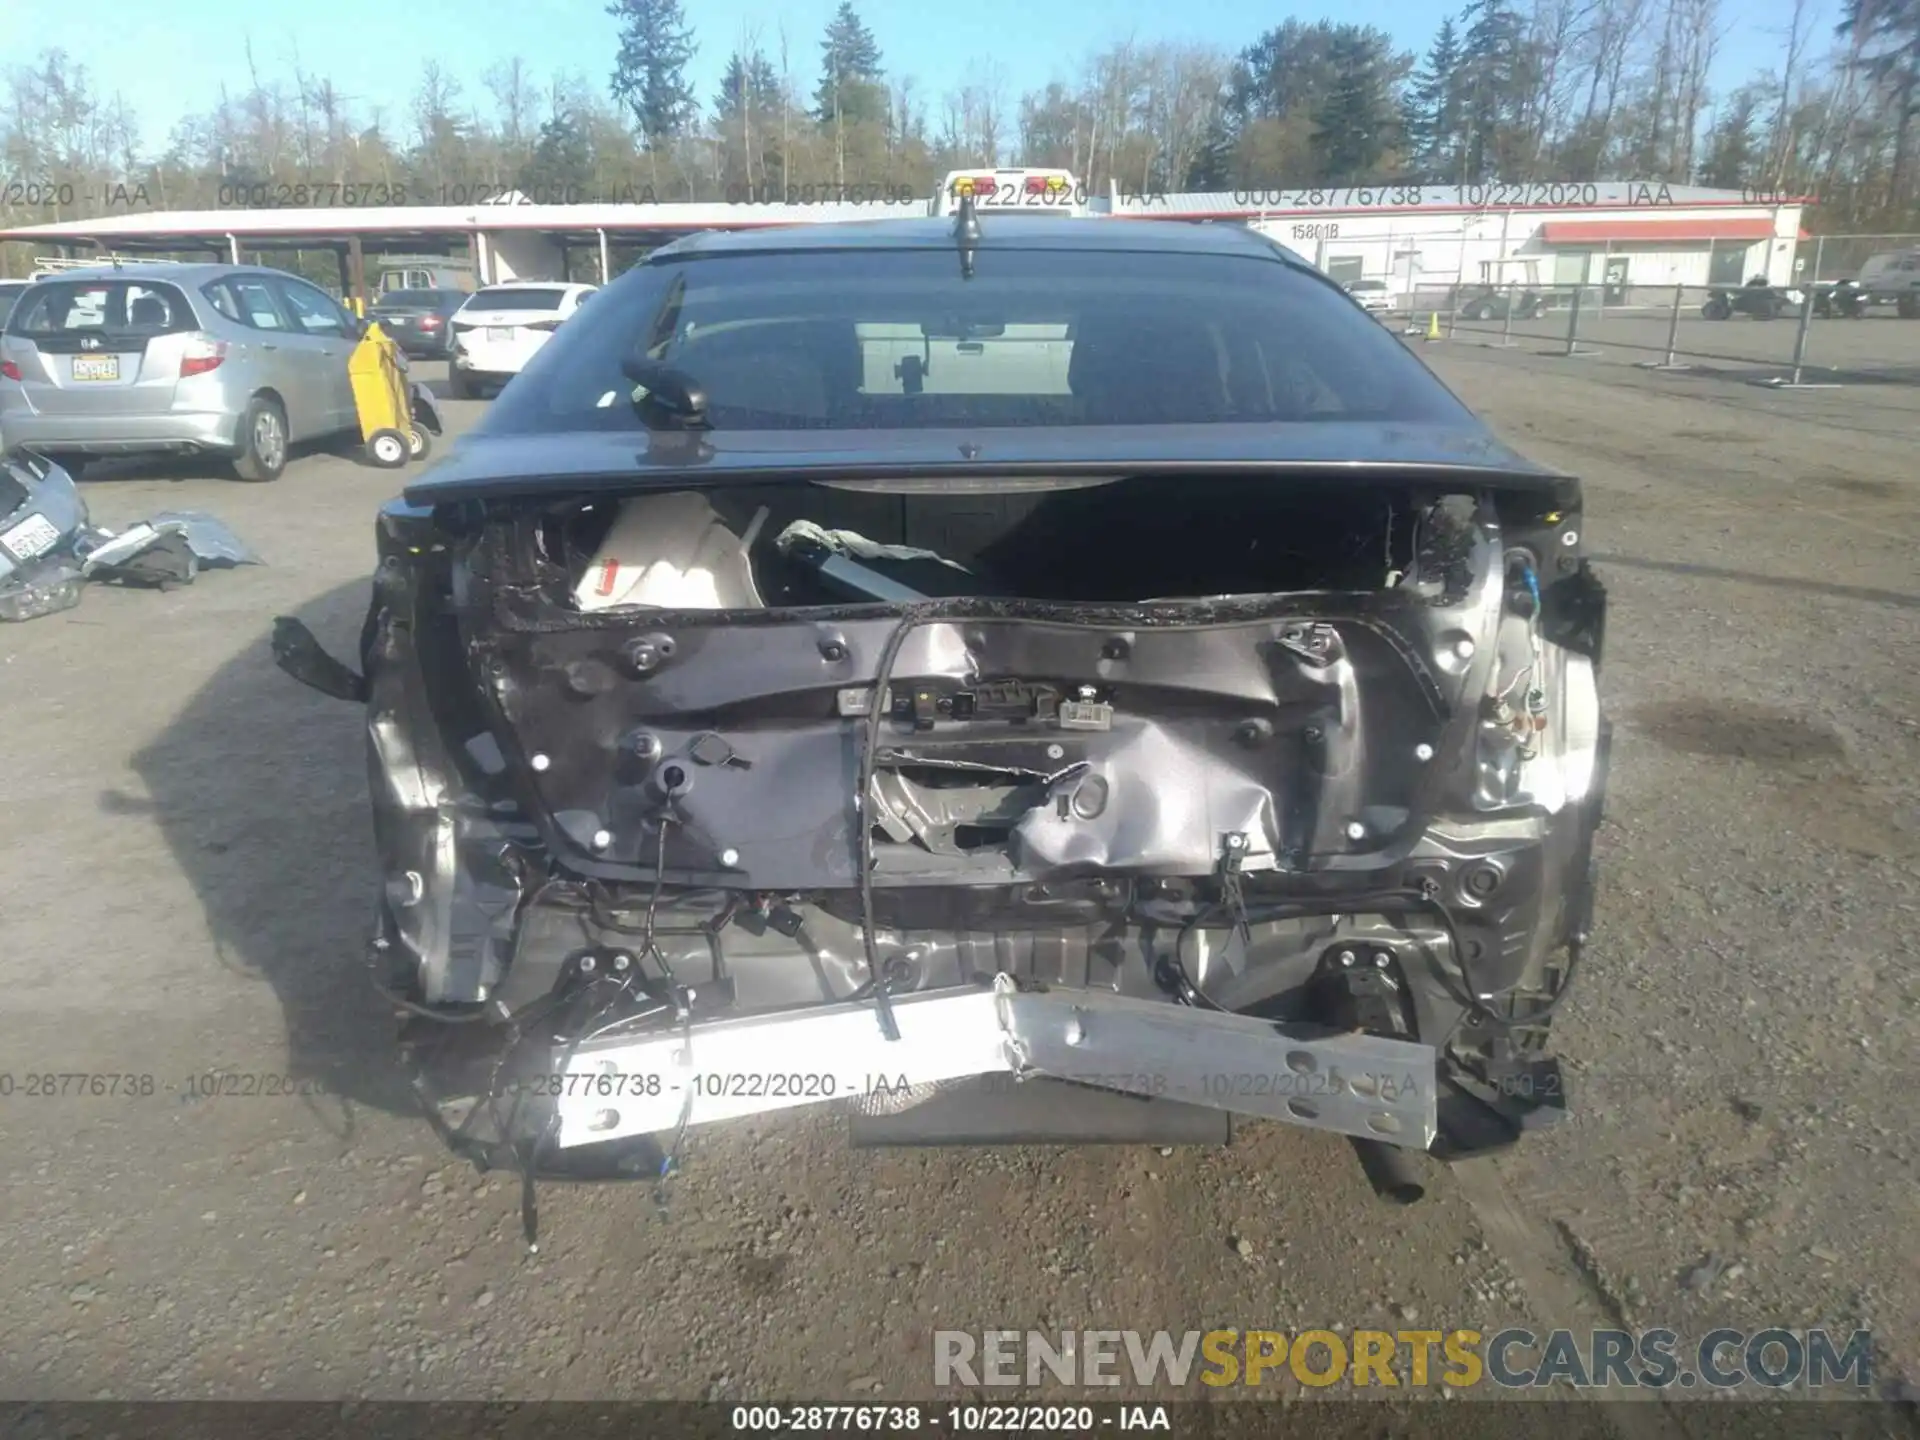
[1837, 330]
[1828, 258]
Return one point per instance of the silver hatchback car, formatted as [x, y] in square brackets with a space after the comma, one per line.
[232, 360]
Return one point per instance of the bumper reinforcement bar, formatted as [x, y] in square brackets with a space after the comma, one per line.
[1353, 1084]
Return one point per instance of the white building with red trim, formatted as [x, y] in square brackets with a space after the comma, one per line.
[1623, 237]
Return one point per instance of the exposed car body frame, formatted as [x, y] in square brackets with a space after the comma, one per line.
[1284, 853]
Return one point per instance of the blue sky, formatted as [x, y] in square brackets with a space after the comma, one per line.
[171, 57]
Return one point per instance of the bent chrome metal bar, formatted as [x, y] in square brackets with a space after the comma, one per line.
[1352, 1084]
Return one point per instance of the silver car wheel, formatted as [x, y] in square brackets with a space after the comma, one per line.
[269, 442]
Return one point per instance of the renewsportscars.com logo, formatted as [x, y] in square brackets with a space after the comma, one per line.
[1512, 1359]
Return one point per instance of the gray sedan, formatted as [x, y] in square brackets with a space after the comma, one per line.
[229, 360]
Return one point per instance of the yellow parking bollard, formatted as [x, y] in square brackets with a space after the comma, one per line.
[1433, 326]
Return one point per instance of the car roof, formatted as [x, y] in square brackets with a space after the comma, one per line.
[197, 273]
[1026, 232]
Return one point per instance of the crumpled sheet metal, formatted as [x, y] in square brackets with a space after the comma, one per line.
[209, 541]
[1150, 803]
[43, 576]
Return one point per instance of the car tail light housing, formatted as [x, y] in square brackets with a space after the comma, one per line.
[547, 325]
[429, 322]
[203, 353]
[9, 370]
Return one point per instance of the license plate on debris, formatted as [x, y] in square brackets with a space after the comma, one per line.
[32, 537]
[500, 333]
[96, 367]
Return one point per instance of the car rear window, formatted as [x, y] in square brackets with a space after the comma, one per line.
[407, 297]
[117, 307]
[8, 295]
[893, 339]
[530, 298]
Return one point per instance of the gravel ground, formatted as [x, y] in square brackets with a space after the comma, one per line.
[1878, 347]
[188, 872]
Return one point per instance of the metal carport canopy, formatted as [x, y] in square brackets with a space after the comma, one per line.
[423, 227]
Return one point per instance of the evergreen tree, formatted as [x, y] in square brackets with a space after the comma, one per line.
[749, 84]
[650, 72]
[562, 157]
[1887, 33]
[1212, 167]
[1496, 71]
[1432, 117]
[851, 89]
[1354, 124]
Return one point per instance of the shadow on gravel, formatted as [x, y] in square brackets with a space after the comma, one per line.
[1775, 582]
[108, 470]
[259, 787]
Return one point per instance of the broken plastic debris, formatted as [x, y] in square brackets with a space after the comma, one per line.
[42, 589]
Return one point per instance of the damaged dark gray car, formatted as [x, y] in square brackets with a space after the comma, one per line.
[1042, 683]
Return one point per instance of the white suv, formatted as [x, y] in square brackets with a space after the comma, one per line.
[499, 328]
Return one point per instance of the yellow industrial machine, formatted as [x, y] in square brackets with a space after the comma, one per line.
[396, 414]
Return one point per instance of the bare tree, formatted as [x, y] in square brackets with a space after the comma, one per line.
[304, 116]
[1115, 85]
[511, 85]
[1182, 92]
[786, 109]
[748, 99]
[436, 122]
[1697, 26]
[1553, 28]
[1613, 30]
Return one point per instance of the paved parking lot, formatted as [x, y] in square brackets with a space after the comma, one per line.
[188, 873]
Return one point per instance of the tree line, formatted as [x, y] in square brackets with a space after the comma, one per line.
[1569, 90]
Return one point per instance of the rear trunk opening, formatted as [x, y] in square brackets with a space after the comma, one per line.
[1319, 750]
[1122, 541]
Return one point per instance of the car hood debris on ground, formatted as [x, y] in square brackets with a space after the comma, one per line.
[49, 548]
